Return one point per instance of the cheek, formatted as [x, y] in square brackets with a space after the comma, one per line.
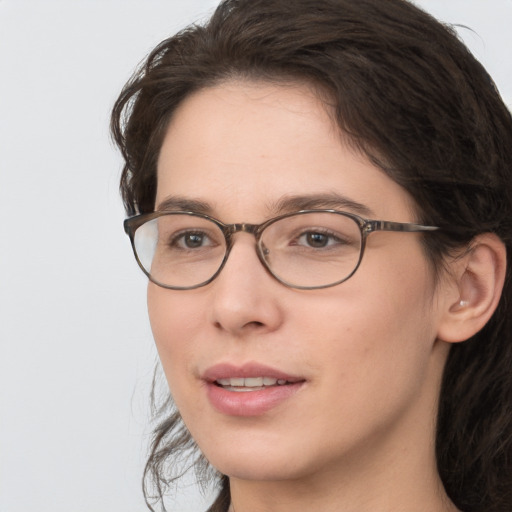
[375, 331]
[175, 322]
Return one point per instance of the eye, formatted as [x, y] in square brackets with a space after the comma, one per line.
[318, 239]
[191, 240]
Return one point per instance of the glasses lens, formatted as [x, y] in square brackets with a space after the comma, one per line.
[180, 251]
[312, 249]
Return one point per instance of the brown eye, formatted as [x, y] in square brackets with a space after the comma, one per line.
[316, 239]
[190, 240]
[193, 240]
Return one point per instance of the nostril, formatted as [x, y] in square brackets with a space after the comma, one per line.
[253, 326]
[248, 325]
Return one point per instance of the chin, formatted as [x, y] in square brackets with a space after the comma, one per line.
[259, 469]
[261, 460]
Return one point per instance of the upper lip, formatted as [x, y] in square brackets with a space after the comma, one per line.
[228, 371]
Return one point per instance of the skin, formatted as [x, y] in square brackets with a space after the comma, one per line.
[359, 434]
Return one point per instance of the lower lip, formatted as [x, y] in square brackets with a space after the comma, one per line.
[249, 403]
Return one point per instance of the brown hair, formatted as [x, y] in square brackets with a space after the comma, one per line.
[408, 94]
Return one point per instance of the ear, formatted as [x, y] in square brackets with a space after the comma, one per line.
[472, 296]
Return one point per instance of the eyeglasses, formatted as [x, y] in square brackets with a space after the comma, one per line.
[306, 250]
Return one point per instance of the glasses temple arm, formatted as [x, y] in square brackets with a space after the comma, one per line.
[384, 225]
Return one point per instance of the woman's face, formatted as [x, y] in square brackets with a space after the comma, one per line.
[361, 359]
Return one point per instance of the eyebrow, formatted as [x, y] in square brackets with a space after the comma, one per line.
[328, 201]
[183, 204]
[287, 204]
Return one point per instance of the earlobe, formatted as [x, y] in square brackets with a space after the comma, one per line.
[475, 290]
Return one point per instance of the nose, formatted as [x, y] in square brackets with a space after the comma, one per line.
[245, 295]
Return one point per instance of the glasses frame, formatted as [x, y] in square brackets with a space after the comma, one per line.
[366, 227]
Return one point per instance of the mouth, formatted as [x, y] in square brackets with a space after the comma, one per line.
[249, 390]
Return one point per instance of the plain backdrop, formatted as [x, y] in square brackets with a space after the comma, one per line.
[76, 354]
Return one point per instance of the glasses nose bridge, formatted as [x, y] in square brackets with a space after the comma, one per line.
[243, 227]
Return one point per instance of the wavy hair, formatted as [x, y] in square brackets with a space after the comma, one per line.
[407, 93]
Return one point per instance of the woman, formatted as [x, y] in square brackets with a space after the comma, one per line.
[322, 194]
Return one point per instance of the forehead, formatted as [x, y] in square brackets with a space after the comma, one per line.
[242, 147]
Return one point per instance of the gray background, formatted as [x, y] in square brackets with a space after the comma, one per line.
[76, 354]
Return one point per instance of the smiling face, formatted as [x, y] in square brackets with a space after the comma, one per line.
[358, 365]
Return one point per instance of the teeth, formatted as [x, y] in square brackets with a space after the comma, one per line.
[253, 382]
[250, 382]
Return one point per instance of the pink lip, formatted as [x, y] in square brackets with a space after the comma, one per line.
[248, 403]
